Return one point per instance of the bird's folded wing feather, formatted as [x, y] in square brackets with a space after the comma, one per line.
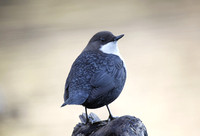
[104, 81]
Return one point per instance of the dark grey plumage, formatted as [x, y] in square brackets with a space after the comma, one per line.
[96, 78]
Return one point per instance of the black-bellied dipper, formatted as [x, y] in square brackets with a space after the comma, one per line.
[98, 75]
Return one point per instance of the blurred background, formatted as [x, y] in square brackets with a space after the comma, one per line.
[39, 40]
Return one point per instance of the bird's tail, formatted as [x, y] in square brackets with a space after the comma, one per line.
[63, 104]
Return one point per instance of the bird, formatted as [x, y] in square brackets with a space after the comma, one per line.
[98, 74]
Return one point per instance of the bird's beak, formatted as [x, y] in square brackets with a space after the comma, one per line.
[118, 37]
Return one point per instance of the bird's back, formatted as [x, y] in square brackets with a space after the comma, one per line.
[93, 77]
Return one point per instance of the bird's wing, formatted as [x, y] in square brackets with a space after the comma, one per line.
[102, 80]
[91, 75]
[77, 86]
[107, 79]
[73, 95]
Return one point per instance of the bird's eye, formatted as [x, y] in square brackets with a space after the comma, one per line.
[102, 39]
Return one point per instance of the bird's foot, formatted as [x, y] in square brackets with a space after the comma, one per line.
[110, 118]
[84, 119]
[91, 119]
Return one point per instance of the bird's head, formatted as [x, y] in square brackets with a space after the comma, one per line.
[104, 41]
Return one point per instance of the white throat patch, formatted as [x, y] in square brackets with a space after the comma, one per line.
[110, 48]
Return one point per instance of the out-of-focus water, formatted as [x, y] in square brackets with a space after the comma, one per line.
[39, 41]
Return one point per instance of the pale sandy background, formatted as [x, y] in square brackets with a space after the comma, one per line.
[39, 41]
